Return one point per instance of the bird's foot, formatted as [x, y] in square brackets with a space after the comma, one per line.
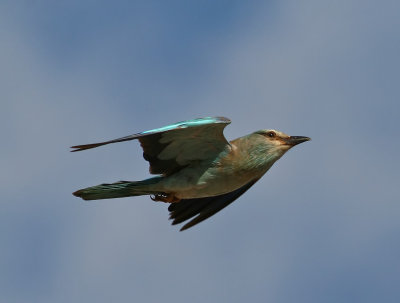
[164, 197]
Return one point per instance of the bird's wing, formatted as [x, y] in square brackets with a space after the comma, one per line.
[172, 147]
[203, 208]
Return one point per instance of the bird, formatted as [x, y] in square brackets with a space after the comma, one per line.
[198, 171]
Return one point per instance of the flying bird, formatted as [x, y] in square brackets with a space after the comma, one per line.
[199, 171]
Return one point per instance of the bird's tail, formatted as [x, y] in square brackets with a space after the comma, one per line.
[118, 190]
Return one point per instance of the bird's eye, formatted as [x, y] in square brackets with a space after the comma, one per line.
[271, 134]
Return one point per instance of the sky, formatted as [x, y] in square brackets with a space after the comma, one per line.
[321, 226]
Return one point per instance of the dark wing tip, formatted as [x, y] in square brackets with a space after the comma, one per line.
[200, 209]
[184, 227]
[86, 146]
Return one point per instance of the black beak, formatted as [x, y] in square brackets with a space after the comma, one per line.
[294, 140]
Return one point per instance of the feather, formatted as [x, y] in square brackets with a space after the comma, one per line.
[169, 149]
[117, 190]
[203, 208]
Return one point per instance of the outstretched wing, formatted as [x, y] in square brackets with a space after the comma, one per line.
[203, 208]
[170, 148]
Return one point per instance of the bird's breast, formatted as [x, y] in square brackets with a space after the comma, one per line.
[208, 180]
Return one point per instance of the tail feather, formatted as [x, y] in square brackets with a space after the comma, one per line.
[117, 190]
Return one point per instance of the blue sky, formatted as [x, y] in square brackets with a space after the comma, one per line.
[321, 226]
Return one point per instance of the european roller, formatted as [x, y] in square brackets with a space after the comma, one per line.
[198, 171]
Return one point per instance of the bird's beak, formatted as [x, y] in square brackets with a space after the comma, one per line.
[294, 140]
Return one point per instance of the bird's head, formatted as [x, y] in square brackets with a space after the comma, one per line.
[277, 142]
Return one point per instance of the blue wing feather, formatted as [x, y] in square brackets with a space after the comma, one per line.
[172, 147]
[188, 123]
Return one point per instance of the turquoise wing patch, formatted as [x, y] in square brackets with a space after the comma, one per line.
[172, 147]
[189, 123]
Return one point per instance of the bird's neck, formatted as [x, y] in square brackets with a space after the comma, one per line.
[254, 155]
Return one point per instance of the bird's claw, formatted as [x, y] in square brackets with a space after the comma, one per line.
[164, 197]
